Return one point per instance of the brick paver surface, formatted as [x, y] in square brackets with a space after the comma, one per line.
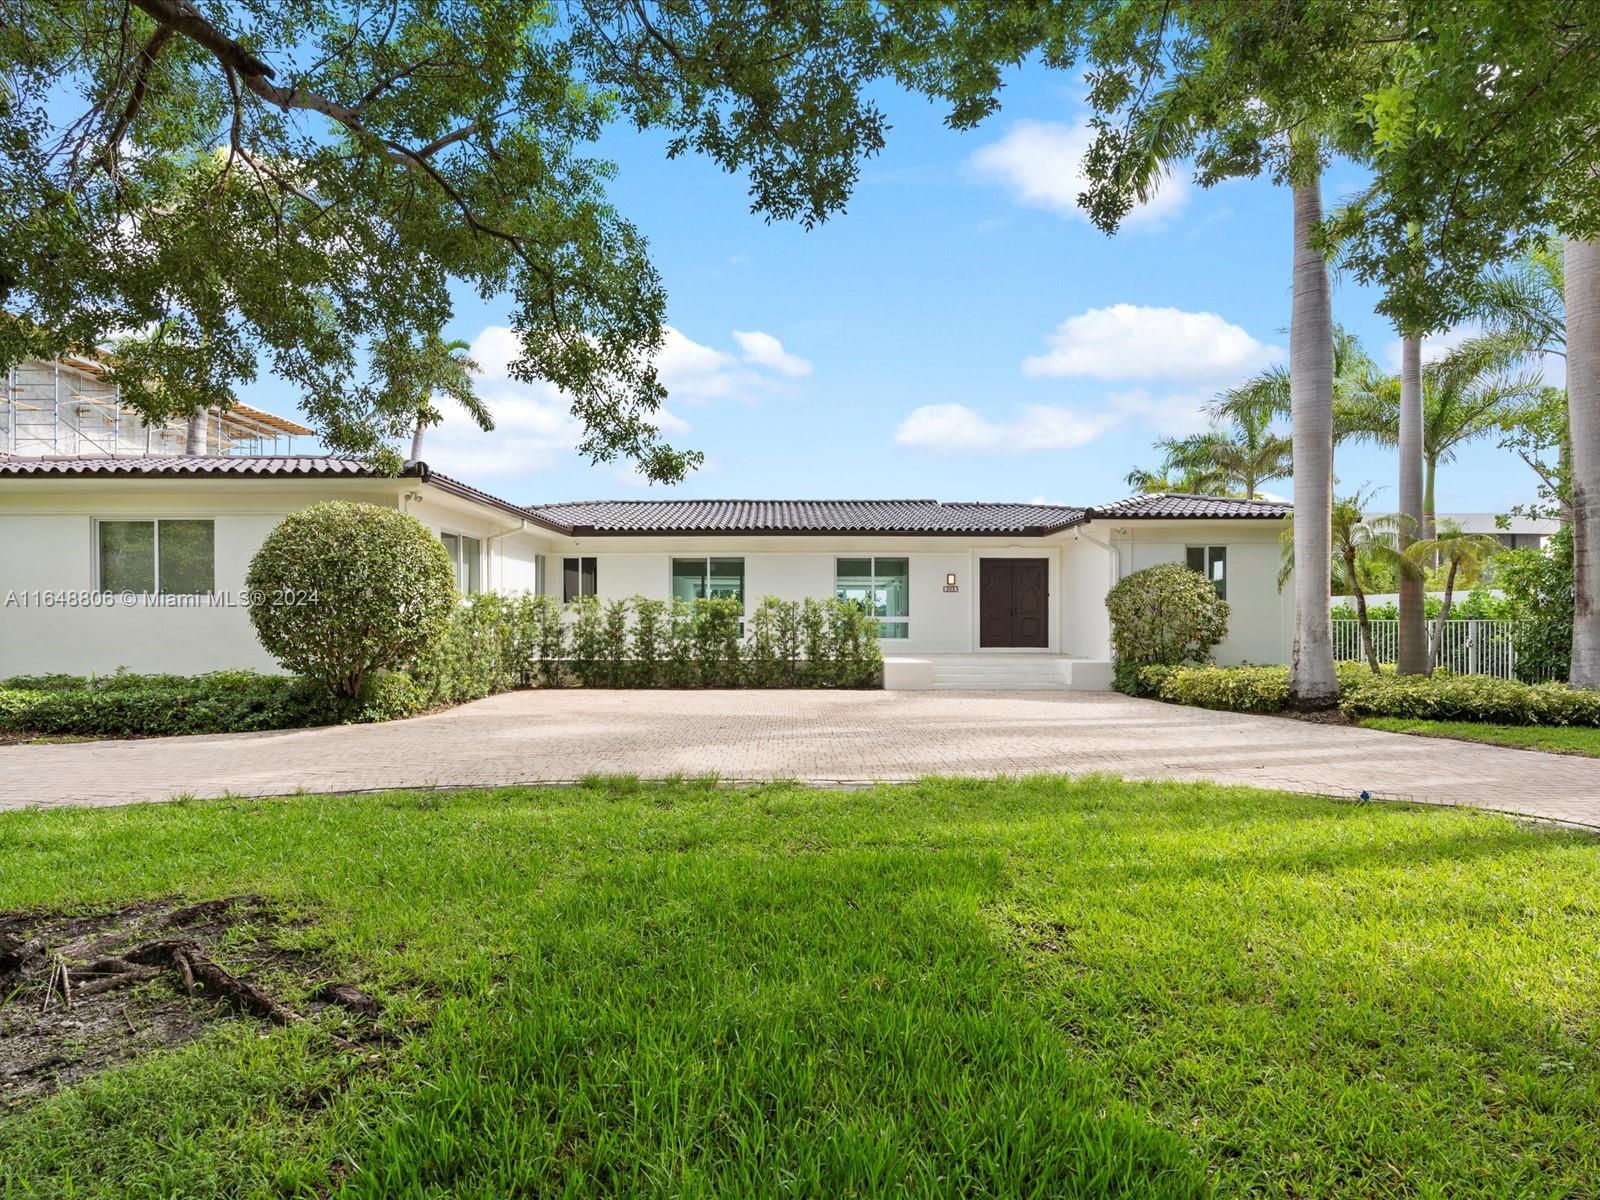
[553, 736]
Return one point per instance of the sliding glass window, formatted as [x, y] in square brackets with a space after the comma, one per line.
[882, 586]
[167, 558]
[708, 579]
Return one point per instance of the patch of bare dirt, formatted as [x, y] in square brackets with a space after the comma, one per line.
[80, 993]
[1325, 716]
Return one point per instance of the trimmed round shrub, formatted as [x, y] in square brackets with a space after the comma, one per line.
[340, 592]
[1163, 615]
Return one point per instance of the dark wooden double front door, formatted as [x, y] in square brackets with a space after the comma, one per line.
[1013, 602]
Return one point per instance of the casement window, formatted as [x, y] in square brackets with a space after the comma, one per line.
[882, 586]
[1212, 562]
[157, 557]
[466, 555]
[579, 577]
[708, 579]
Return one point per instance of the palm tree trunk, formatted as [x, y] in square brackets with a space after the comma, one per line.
[1312, 681]
[1430, 520]
[1362, 621]
[1583, 431]
[194, 435]
[1444, 615]
[1412, 655]
[416, 441]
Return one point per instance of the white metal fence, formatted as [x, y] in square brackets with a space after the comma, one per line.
[1465, 647]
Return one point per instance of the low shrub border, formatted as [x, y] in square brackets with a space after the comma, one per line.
[1438, 697]
[493, 644]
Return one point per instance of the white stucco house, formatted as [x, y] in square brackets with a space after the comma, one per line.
[138, 561]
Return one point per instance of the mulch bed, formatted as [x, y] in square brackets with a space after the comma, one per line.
[81, 993]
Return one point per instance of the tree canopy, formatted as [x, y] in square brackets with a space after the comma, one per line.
[301, 185]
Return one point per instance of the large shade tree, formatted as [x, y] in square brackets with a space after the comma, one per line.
[302, 185]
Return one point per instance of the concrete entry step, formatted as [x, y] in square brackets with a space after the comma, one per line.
[994, 673]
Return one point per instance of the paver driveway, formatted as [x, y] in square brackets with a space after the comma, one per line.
[538, 736]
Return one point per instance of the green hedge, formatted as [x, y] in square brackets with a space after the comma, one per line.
[126, 705]
[496, 643]
[1440, 697]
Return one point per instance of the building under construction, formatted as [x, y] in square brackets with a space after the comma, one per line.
[71, 408]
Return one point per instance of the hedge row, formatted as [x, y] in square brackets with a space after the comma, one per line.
[1439, 697]
[496, 643]
[125, 705]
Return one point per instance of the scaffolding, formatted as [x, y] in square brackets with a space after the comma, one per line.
[69, 408]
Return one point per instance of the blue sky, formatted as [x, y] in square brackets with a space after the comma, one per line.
[960, 332]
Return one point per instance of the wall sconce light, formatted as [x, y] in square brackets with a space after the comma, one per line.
[950, 579]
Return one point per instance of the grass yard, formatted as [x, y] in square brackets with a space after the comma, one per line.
[952, 988]
[1561, 739]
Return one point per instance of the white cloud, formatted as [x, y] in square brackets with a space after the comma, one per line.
[534, 428]
[1176, 414]
[764, 350]
[954, 428]
[1129, 341]
[1042, 163]
[697, 374]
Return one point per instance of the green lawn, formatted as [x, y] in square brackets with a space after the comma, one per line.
[953, 988]
[1563, 739]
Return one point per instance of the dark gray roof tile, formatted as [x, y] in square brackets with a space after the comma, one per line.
[1181, 505]
[647, 517]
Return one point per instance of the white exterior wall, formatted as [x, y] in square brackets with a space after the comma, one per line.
[1261, 617]
[47, 545]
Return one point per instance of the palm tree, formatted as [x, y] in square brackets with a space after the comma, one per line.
[423, 373]
[1526, 301]
[1467, 395]
[1150, 483]
[1312, 680]
[1582, 293]
[1358, 541]
[1464, 554]
[1411, 651]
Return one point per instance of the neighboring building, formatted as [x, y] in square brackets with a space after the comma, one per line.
[71, 408]
[997, 595]
[1513, 532]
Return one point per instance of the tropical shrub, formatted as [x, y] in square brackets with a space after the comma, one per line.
[339, 592]
[651, 632]
[1165, 614]
[1479, 604]
[1538, 583]
[678, 659]
[475, 657]
[614, 644]
[549, 640]
[127, 705]
[588, 639]
[1440, 697]
[763, 666]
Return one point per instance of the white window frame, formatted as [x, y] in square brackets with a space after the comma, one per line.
[1206, 552]
[882, 621]
[457, 564]
[155, 551]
